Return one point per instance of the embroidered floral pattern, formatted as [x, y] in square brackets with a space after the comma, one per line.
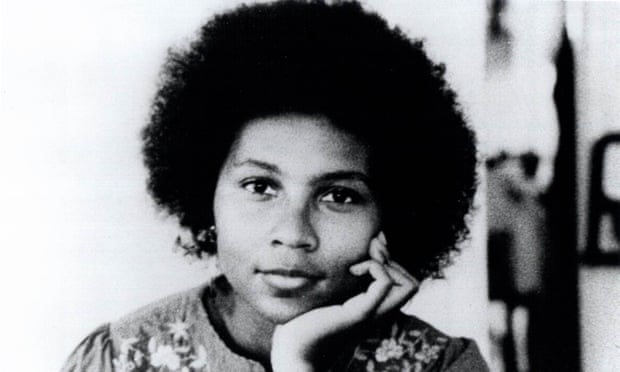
[407, 351]
[170, 351]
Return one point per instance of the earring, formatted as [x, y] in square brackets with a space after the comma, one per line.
[212, 268]
[212, 235]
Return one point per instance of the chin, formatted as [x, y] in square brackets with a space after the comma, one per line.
[280, 311]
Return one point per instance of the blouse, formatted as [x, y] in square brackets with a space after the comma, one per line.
[175, 334]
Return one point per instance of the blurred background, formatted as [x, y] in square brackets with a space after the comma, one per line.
[538, 285]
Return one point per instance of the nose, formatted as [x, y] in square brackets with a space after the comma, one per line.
[294, 228]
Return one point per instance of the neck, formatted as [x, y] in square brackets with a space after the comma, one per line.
[243, 330]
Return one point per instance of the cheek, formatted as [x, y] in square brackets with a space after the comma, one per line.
[233, 217]
[233, 212]
[347, 241]
[236, 236]
[343, 245]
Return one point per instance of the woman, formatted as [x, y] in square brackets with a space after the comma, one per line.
[294, 140]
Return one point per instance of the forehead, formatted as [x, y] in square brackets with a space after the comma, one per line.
[291, 140]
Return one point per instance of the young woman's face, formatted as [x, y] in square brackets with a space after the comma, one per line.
[293, 210]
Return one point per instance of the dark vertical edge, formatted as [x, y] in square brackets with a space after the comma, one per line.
[561, 304]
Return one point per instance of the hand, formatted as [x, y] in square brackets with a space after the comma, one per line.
[299, 345]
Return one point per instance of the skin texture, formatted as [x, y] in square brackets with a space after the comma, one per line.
[292, 217]
[294, 194]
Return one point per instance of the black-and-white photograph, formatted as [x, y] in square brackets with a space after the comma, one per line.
[310, 185]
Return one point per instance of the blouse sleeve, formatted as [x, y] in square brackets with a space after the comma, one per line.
[94, 353]
[466, 357]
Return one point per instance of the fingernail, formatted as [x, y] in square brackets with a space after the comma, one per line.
[355, 270]
[381, 238]
[376, 252]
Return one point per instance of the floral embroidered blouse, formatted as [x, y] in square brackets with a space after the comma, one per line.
[175, 334]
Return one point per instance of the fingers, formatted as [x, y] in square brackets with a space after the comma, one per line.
[366, 304]
[403, 271]
[382, 239]
[379, 252]
[403, 284]
[403, 288]
[378, 249]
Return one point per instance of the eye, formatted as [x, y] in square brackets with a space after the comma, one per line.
[260, 187]
[341, 195]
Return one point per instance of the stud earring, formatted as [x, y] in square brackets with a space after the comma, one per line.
[212, 268]
[212, 235]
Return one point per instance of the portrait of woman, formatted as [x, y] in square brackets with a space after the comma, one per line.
[321, 164]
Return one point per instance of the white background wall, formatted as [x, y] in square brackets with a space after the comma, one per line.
[595, 31]
[81, 242]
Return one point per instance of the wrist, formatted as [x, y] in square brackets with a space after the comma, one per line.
[289, 364]
[285, 357]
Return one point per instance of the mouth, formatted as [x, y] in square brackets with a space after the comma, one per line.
[284, 279]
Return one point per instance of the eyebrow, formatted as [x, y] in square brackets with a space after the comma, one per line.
[343, 175]
[330, 176]
[259, 164]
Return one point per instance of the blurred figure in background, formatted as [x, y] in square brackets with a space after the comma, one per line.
[516, 218]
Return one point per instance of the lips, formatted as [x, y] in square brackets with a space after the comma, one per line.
[282, 280]
[293, 273]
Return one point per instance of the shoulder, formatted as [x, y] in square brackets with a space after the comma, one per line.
[94, 353]
[183, 307]
[407, 343]
[169, 332]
